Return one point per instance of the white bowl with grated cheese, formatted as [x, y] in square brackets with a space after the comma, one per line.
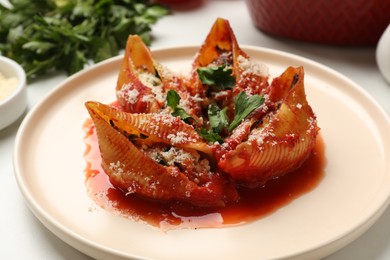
[13, 96]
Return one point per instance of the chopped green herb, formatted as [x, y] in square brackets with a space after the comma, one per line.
[243, 106]
[181, 113]
[173, 100]
[210, 135]
[68, 34]
[218, 76]
[218, 118]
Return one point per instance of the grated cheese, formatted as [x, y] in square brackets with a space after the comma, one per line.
[180, 138]
[116, 168]
[128, 93]
[250, 67]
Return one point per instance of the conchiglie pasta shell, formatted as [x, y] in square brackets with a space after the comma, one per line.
[139, 55]
[132, 171]
[281, 144]
[152, 128]
[132, 94]
[221, 47]
[220, 38]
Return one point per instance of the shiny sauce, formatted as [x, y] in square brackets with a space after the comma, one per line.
[253, 204]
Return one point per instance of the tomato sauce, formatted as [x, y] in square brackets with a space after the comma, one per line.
[253, 205]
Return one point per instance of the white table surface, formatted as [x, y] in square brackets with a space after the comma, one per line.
[22, 236]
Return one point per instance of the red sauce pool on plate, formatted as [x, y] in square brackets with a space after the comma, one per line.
[253, 204]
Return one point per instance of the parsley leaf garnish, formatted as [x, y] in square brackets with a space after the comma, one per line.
[218, 76]
[173, 100]
[243, 106]
[66, 35]
[218, 120]
[210, 135]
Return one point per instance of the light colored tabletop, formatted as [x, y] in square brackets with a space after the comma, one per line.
[22, 236]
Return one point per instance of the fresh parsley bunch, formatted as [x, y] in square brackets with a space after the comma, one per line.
[47, 35]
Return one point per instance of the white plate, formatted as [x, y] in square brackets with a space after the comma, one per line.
[49, 168]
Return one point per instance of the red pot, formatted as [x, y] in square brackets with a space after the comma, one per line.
[337, 22]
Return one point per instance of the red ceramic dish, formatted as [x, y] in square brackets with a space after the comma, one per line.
[346, 22]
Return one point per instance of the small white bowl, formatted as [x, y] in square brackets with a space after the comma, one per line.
[12, 106]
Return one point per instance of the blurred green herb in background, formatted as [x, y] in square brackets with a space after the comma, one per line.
[48, 35]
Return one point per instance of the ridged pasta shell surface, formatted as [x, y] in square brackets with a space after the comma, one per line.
[281, 141]
[136, 166]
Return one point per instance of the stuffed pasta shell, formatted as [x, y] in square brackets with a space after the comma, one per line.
[198, 138]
